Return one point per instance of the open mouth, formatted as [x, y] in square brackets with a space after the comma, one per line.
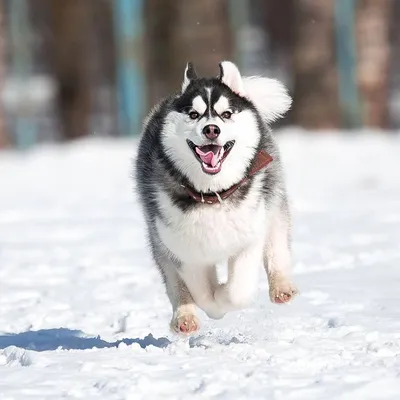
[211, 156]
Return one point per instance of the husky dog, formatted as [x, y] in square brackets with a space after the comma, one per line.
[211, 187]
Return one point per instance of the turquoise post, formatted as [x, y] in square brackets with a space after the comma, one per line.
[128, 27]
[346, 63]
[238, 17]
[21, 66]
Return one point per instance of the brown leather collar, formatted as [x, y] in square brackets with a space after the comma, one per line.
[261, 161]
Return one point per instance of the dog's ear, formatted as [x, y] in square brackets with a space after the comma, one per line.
[188, 76]
[230, 76]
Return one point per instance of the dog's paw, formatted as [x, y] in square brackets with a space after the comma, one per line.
[282, 292]
[186, 324]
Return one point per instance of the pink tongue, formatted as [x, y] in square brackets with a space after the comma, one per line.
[209, 157]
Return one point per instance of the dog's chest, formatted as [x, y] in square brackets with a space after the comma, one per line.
[213, 233]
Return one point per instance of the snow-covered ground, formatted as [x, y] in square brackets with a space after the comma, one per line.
[83, 312]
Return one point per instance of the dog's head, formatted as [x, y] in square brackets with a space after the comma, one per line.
[213, 130]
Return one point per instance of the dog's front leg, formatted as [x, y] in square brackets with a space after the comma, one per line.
[277, 257]
[184, 319]
[243, 273]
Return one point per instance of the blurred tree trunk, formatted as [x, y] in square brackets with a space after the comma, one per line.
[69, 20]
[182, 31]
[278, 18]
[373, 56]
[4, 141]
[315, 80]
[103, 67]
[159, 63]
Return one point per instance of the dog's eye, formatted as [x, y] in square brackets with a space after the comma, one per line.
[194, 115]
[227, 114]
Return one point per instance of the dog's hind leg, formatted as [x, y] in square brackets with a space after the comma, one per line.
[201, 282]
[243, 273]
[277, 256]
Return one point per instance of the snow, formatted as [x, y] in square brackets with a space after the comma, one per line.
[83, 313]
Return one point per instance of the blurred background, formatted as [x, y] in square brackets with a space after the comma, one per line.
[72, 68]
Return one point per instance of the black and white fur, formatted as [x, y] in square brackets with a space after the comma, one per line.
[249, 229]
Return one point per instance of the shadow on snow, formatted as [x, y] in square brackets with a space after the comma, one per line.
[67, 339]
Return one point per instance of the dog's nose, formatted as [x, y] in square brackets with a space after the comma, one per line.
[211, 131]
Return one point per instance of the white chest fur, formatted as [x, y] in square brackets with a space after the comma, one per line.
[211, 234]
